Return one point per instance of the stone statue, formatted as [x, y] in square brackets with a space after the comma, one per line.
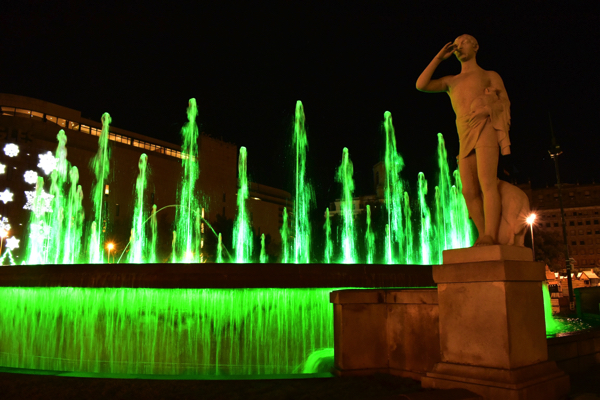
[482, 110]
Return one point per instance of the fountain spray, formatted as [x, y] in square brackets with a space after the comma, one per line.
[425, 221]
[139, 249]
[101, 166]
[304, 193]
[242, 233]
[369, 238]
[285, 246]
[328, 244]
[58, 179]
[344, 176]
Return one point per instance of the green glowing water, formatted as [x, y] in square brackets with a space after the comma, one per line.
[74, 220]
[394, 197]
[58, 178]
[303, 193]
[242, 231]
[159, 331]
[139, 247]
[426, 237]
[285, 234]
[369, 238]
[101, 166]
[263, 252]
[552, 325]
[188, 236]
[348, 236]
[153, 236]
[328, 244]
[37, 250]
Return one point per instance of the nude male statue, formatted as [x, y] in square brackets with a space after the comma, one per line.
[482, 110]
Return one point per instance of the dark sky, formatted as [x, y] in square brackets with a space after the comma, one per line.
[349, 62]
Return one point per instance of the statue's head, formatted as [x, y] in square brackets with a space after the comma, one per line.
[466, 47]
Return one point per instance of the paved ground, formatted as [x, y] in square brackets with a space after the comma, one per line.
[33, 386]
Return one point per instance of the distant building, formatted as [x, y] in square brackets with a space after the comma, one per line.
[582, 215]
[32, 125]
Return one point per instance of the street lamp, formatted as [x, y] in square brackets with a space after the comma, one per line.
[110, 246]
[530, 220]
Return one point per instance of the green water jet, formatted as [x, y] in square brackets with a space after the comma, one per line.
[303, 192]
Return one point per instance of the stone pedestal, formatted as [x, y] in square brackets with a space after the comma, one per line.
[386, 331]
[492, 329]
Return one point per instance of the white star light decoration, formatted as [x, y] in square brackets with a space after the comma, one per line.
[44, 204]
[12, 243]
[31, 177]
[6, 196]
[47, 162]
[2, 168]
[11, 150]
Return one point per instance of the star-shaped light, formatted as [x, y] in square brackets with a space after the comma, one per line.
[44, 203]
[6, 196]
[2, 168]
[31, 177]
[11, 150]
[47, 162]
[12, 243]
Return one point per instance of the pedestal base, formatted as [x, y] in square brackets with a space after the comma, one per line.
[539, 381]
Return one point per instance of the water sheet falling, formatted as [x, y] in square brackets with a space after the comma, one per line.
[394, 193]
[348, 236]
[101, 167]
[186, 240]
[242, 232]
[163, 331]
[304, 192]
[139, 246]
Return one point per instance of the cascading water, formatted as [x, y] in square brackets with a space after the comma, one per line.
[187, 239]
[348, 236]
[101, 166]
[242, 232]
[157, 331]
[369, 238]
[304, 193]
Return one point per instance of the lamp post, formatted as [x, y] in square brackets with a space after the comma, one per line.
[530, 220]
[110, 246]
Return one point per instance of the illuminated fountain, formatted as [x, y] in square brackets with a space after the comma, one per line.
[214, 318]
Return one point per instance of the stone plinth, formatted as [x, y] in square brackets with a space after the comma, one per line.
[386, 331]
[492, 328]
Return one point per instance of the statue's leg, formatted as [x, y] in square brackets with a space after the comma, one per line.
[487, 169]
[467, 168]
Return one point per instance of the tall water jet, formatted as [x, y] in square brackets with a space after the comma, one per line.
[344, 176]
[304, 193]
[285, 245]
[138, 251]
[443, 222]
[101, 166]
[186, 238]
[58, 222]
[328, 245]
[369, 238]
[408, 232]
[153, 236]
[74, 219]
[39, 230]
[242, 233]
[463, 233]
[220, 249]
[426, 256]
[263, 250]
[394, 190]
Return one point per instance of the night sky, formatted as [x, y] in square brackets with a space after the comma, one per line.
[349, 62]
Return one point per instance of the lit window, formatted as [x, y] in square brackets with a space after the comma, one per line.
[37, 115]
[19, 112]
[106, 189]
[62, 122]
[85, 129]
[51, 118]
[74, 125]
[8, 111]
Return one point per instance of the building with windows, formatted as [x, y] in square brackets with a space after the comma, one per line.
[581, 204]
[29, 128]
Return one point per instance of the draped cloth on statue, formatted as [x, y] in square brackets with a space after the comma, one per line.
[476, 131]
